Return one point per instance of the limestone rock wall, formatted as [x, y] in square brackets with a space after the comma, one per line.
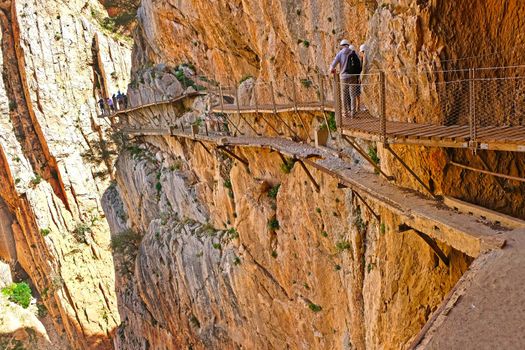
[56, 62]
[209, 272]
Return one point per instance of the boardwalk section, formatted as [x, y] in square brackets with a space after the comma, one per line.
[475, 108]
[463, 232]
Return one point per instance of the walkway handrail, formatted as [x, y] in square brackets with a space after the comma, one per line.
[476, 101]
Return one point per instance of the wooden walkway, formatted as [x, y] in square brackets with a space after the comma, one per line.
[279, 108]
[464, 232]
[498, 138]
[367, 127]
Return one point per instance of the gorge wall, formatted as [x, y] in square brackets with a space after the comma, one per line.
[57, 61]
[218, 256]
[206, 253]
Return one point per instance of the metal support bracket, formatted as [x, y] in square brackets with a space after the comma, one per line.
[378, 218]
[233, 155]
[367, 157]
[312, 180]
[425, 186]
[428, 240]
[204, 146]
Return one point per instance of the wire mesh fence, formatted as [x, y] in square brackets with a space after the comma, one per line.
[478, 100]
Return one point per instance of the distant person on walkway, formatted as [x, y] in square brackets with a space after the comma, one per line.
[111, 105]
[120, 100]
[101, 105]
[115, 102]
[350, 68]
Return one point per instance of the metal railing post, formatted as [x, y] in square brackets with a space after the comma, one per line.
[321, 100]
[273, 98]
[255, 99]
[337, 101]
[472, 110]
[221, 98]
[294, 92]
[382, 84]
[237, 102]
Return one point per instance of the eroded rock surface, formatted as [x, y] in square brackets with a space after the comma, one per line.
[56, 62]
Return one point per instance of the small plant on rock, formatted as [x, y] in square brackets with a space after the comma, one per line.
[272, 193]
[81, 231]
[343, 245]
[273, 224]
[19, 293]
[36, 180]
[287, 166]
[314, 307]
[45, 231]
[233, 233]
[372, 153]
[236, 260]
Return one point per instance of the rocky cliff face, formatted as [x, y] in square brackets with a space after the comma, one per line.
[253, 257]
[216, 255]
[56, 63]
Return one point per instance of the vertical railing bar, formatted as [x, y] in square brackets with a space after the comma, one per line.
[296, 110]
[382, 84]
[337, 102]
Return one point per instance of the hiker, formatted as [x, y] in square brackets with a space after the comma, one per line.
[120, 100]
[115, 104]
[111, 105]
[101, 105]
[362, 57]
[350, 68]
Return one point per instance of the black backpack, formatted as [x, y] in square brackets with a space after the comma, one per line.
[353, 64]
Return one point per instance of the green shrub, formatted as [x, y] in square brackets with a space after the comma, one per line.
[81, 231]
[343, 245]
[314, 307]
[287, 166]
[236, 260]
[232, 232]
[382, 228]
[306, 43]
[324, 234]
[332, 124]
[318, 210]
[372, 153]
[337, 267]
[45, 231]
[272, 193]
[370, 267]
[274, 254]
[36, 180]
[19, 293]
[216, 245]
[307, 83]
[229, 186]
[273, 224]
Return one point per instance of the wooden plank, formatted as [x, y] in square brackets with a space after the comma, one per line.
[481, 132]
[485, 213]
[463, 131]
[434, 131]
[414, 130]
[502, 134]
